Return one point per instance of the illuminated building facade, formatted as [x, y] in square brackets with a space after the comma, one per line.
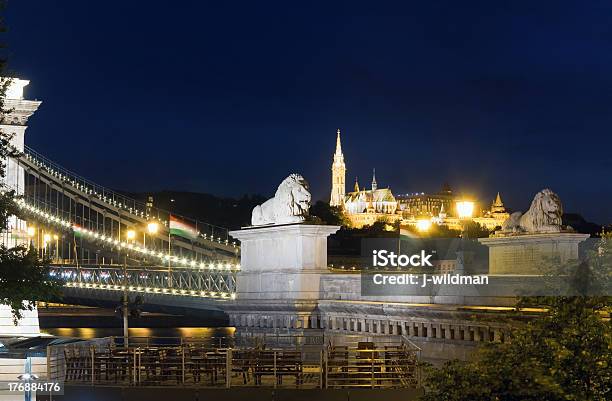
[422, 204]
[366, 206]
[362, 206]
[454, 219]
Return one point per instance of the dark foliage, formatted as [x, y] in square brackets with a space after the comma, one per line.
[224, 212]
[565, 354]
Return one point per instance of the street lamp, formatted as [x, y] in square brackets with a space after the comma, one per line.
[131, 234]
[46, 240]
[31, 232]
[465, 209]
[152, 227]
[56, 238]
[423, 225]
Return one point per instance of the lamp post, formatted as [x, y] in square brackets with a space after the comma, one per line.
[152, 228]
[46, 240]
[423, 225]
[31, 231]
[131, 234]
[465, 210]
[56, 238]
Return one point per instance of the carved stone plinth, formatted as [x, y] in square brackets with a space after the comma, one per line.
[282, 262]
[526, 254]
[279, 285]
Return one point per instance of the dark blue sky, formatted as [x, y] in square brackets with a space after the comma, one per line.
[230, 97]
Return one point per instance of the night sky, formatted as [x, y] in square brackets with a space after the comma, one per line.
[229, 97]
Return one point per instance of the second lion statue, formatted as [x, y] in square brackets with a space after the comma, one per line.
[289, 205]
[544, 215]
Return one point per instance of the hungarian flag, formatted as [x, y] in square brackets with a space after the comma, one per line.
[182, 229]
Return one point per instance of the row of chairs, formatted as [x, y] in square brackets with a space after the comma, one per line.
[368, 366]
[344, 366]
[259, 363]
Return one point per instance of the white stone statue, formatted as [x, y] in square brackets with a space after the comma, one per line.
[544, 216]
[289, 205]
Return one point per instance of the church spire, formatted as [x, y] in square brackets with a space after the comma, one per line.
[498, 205]
[338, 175]
[374, 184]
[498, 201]
[356, 189]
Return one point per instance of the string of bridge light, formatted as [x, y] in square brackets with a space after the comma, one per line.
[153, 290]
[123, 245]
[110, 201]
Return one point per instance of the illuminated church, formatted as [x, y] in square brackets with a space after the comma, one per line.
[366, 206]
[362, 206]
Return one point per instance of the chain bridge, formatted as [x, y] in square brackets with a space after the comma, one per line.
[102, 242]
[99, 239]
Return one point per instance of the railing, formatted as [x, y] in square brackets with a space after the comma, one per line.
[217, 282]
[117, 200]
[165, 341]
[192, 363]
[371, 366]
[29, 211]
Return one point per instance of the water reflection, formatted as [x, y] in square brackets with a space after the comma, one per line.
[88, 332]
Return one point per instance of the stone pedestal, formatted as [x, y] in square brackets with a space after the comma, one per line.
[525, 254]
[279, 284]
[282, 262]
[26, 327]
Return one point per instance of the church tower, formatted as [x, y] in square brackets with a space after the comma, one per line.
[338, 175]
[498, 205]
[374, 184]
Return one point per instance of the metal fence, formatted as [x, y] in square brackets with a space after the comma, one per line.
[209, 283]
[193, 362]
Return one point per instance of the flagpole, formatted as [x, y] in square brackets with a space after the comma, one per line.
[169, 253]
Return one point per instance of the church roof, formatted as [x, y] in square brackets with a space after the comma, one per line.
[377, 195]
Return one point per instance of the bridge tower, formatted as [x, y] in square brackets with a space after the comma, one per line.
[14, 122]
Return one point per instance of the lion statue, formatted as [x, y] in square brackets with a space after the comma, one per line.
[544, 216]
[289, 205]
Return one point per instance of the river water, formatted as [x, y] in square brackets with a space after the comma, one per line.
[89, 332]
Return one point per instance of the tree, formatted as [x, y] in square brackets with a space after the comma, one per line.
[24, 278]
[473, 229]
[434, 231]
[566, 354]
[332, 215]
